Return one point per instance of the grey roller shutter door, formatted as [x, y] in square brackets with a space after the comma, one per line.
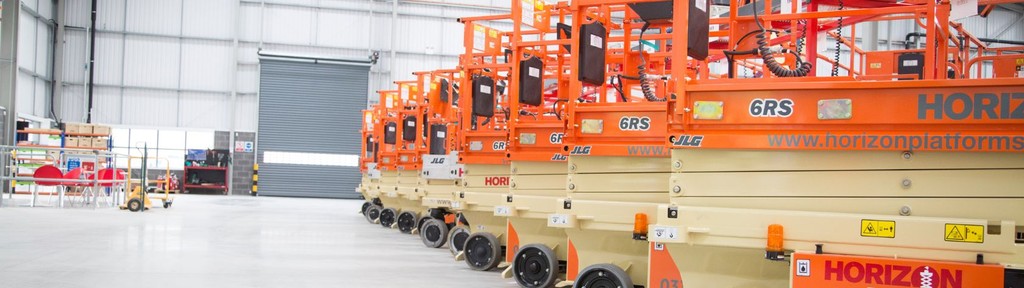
[310, 107]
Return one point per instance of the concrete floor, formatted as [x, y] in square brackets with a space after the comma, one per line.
[218, 241]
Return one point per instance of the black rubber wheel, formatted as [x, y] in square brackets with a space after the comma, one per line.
[366, 205]
[372, 213]
[135, 205]
[482, 251]
[387, 217]
[434, 233]
[603, 276]
[535, 266]
[406, 222]
[457, 239]
[167, 205]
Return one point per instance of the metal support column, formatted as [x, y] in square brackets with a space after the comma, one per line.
[8, 74]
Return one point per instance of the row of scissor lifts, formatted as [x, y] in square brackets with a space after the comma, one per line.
[616, 153]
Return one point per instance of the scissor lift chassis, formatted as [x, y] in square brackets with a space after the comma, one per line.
[729, 197]
[605, 194]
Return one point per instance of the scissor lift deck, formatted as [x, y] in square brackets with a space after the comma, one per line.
[861, 181]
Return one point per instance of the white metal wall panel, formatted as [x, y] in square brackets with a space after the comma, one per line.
[75, 56]
[245, 112]
[25, 93]
[26, 41]
[342, 29]
[109, 14]
[153, 62]
[213, 19]
[288, 25]
[145, 107]
[109, 56]
[249, 22]
[107, 105]
[248, 79]
[203, 110]
[205, 65]
[154, 16]
[73, 104]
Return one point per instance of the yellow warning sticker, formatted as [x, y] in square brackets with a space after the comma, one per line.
[965, 233]
[877, 228]
[1020, 61]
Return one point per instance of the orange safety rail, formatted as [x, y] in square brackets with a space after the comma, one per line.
[947, 106]
[616, 117]
[370, 138]
[535, 127]
[484, 134]
[441, 108]
[399, 107]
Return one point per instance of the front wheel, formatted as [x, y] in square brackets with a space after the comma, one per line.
[135, 205]
[482, 251]
[603, 275]
[535, 266]
[457, 239]
[434, 233]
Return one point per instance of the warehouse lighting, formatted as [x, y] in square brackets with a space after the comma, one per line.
[321, 159]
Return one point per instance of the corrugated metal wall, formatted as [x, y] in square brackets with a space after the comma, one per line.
[35, 69]
[175, 63]
[157, 60]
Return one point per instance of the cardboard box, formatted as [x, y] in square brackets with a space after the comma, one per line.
[85, 129]
[101, 130]
[72, 142]
[99, 142]
[73, 128]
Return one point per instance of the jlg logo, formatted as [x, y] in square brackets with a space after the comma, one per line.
[559, 157]
[771, 107]
[496, 181]
[437, 161]
[688, 140]
[632, 123]
[580, 150]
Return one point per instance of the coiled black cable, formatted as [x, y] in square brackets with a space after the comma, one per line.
[641, 71]
[839, 37]
[802, 68]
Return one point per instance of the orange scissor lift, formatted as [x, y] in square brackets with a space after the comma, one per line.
[370, 181]
[539, 81]
[399, 156]
[441, 174]
[902, 177]
[484, 137]
[616, 123]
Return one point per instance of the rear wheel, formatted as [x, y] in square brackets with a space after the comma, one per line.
[406, 222]
[366, 205]
[387, 217]
[482, 251]
[434, 233]
[372, 213]
[457, 239]
[535, 266]
[603, 276]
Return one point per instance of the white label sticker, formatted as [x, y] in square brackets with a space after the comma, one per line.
[703, 5]
[479, 39]
[485, 89]
[597, 41]
[534, 72]
[665, 233]
[911, 63]
[440, 134]
[502, 211]
[558, 219]
[528, 12]
[410, 123]
[803, 268]
[391, 129]
[456, 204]
[389, 104]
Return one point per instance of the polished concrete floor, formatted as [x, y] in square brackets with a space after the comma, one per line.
[218, 241]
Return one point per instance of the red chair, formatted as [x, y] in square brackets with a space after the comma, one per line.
[47, 175]
[77, 174]
[107, 174]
